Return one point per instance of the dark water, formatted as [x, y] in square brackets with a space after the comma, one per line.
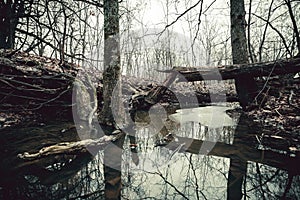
[197, 162]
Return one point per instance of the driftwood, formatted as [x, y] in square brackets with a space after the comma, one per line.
[279, 67]
[71, 148]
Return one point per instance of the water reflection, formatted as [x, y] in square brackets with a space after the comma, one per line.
[161, 166]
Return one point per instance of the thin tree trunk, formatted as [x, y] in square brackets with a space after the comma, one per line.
[111, 74]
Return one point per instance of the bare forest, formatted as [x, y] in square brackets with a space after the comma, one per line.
[159, 99]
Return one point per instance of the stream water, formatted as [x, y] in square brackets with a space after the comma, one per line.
[204, 159]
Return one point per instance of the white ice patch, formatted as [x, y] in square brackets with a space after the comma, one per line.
[211, 116]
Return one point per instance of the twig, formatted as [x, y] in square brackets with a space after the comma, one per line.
[51, 100]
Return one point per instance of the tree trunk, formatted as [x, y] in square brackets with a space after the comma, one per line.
[245, 85]
[9, 15]
[111, 74]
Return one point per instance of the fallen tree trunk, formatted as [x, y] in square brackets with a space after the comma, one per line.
[226, 72]
[274, 68]
[71, 148]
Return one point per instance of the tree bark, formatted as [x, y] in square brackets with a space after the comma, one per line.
[111, 74]
[245, 85]
[238, 34]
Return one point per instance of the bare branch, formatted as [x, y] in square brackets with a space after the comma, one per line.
[278, 32]
[181, 15]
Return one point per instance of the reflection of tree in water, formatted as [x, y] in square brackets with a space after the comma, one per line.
[270, 183]
[169, 173]
[82, 179]
[244, 150]
[252, 179]
[163, 174]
